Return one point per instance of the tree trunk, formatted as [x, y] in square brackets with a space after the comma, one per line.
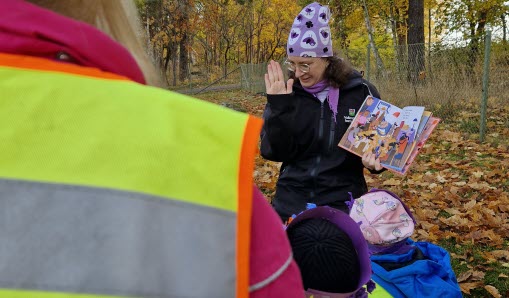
[430, 71]
[379, 63]
[401, 33]
[416, 61]
[225, 67]
[183, 58]
[184, 7]
[478, 33]
[504, 29]
[250, 30]
[171, 57]
[147, 28]
[392, 17]
[166, 63]
[174, 70]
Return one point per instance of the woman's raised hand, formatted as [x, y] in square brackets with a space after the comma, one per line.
[275, 80]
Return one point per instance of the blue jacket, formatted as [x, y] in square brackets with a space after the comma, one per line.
[424, 271]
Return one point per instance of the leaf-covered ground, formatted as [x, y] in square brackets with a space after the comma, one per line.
[458, 189]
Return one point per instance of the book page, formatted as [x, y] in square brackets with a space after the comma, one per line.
[391, 133]
[405, 139]
[423, 137]
[373, 128]
[424, 120]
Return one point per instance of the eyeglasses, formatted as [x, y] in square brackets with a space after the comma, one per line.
[293, 67]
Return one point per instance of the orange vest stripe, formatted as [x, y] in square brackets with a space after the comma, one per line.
[244, 210]
[36, 63]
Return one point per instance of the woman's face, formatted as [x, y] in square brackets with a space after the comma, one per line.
[315, 73]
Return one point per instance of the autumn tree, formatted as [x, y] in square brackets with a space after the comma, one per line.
[208, 34]
[151, 16]
[471, 18]
[415, 40]
[168, 25]
[230, 32]
[272, 28]
[395, 13]
[364, 20]
[341, 11]
[369, 28]
[186, 35]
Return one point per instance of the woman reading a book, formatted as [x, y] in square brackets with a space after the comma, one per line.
[306, 116]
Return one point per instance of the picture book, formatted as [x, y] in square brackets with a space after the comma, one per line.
[393, 134]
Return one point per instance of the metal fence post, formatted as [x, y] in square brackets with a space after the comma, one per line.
[485, 83]
[368, 61]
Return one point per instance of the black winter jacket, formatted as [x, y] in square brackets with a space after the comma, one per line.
[300, 131]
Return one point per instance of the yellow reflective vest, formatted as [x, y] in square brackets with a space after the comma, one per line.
[109, 188]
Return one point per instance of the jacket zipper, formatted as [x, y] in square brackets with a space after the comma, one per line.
[314, 171]
[332, 133]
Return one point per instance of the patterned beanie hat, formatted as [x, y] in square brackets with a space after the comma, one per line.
[384, 219]
[310, 33]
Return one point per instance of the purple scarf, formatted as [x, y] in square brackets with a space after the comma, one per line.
[332, 95]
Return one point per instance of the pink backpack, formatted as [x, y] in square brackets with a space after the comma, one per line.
[384, 219]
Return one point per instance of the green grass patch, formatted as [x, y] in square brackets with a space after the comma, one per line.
[444, 214]
[471, 257]
[469, 126]
[456, 156]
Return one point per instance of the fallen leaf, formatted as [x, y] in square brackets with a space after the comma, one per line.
[493, 291]
[467, 286]
[477, 275]
[470, 204]
[441, 179]
[477, 174]
[464, 276]
[391, 182]
[500, 254]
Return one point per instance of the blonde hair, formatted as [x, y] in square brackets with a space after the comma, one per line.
[117, 18]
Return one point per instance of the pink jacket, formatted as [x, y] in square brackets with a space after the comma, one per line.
[29, 30]
[271, 259]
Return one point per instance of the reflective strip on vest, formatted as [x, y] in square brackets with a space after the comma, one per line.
[43, 294]
[113, 242]
[94, 187]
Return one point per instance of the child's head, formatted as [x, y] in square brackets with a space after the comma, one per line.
[385, 221]
[330, 251]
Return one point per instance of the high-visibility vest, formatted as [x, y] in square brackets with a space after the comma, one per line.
[109, 188]
[378, 292]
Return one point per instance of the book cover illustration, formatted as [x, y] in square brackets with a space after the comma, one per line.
[388, 131]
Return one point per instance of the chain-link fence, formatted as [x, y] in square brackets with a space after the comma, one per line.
[202, 78]
[252, 77]
[443, 77]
